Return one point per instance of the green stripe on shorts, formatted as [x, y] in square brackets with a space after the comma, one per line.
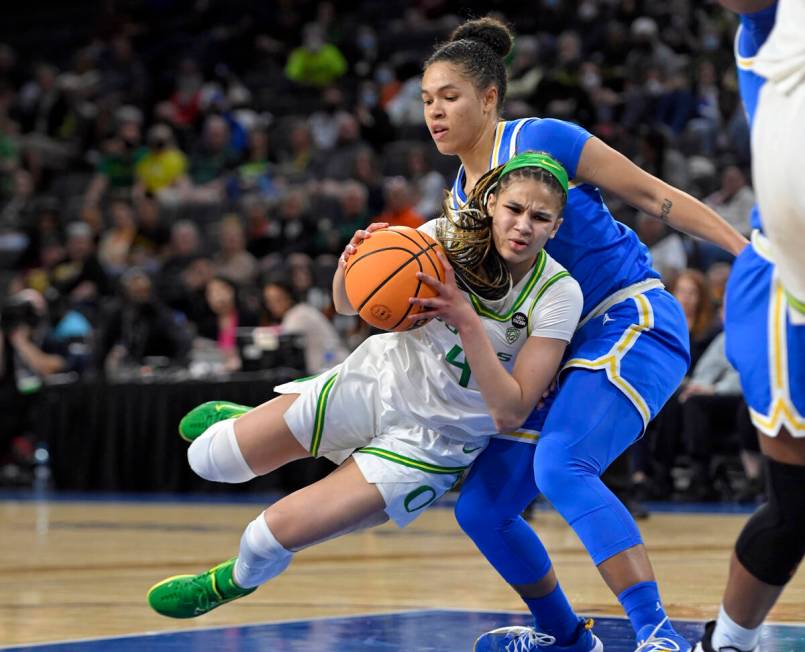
[407, 461]
[321, 408]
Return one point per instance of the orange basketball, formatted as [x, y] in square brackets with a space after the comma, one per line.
[380, 276]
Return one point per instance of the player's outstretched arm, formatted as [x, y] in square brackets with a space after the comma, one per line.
[608, 169]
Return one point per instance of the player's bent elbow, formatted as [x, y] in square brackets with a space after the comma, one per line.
[508, 421]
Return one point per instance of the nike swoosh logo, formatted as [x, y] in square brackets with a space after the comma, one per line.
[470, 450]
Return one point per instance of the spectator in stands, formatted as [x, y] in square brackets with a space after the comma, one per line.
[124, 78]
[560, 92]
[152, 237]
[375, 125]
[667, 247]
[367, 171]
[525, 73]
[256, 176]
[233, 261]
[654, 455]
[353, 214]
[710, 401]
[212, 161]
[117, 241]
[693, 293]
[734, 199]
[341, 160]
[226, 315]
[79, 279]
[162, 171]
[315, 62]
[19, 211]
[324, 123]
[43, 110]
[262, 232]
[399, 206]
[139, 332]
[120, 154]
[29, 354]
[300, 160]
[189, 295]
[297, 229]
[657, 156]
[323, 347]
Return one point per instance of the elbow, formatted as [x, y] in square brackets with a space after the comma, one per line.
[508, 421]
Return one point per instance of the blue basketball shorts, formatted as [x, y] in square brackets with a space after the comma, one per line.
[763, 345]
[639, 338]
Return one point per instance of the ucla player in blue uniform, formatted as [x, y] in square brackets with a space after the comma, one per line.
[625, 360]
[766, 346]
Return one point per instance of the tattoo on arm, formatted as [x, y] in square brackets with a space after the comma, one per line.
[665, 210]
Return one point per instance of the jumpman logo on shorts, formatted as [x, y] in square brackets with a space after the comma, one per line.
[607, 318]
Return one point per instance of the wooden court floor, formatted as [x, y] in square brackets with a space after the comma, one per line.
[71, 570]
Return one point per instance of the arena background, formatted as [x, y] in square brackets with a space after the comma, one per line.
[157, 155]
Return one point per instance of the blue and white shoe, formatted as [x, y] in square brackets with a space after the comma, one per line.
[661, 638]
[528, 639]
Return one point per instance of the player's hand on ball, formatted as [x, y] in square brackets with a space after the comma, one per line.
[449, 303]
[360, 236]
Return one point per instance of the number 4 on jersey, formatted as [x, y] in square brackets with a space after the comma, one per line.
[462, 364]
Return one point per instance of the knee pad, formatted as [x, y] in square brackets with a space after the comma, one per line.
[772, 543]
[216, 456]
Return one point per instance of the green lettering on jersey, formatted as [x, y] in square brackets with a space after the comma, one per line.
[462, 364]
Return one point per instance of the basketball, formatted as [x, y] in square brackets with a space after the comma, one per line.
[380, 276]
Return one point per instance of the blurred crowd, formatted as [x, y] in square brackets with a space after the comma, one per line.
[174, 172]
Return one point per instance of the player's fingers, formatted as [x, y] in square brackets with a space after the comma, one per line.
[376, 226]
[430, 281]
[424, 314]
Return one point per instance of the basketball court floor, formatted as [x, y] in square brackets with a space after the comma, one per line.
[74, 572]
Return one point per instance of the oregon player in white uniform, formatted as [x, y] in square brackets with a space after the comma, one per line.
[778, 142]
[406, 412]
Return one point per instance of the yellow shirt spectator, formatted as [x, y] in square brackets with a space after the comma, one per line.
[160, 169]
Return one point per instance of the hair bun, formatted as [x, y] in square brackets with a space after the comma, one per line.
[490, 31]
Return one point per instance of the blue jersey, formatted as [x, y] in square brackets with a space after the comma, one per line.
[602, 254]
[752, 33]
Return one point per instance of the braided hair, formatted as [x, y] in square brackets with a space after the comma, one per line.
[466, 233]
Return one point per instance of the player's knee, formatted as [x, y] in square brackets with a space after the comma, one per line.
[772, 543]
[477, 518]
[556, 472]
[471, 517]
[215, 455]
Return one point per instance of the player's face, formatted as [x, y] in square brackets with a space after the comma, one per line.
[455, 111]
[525, 215]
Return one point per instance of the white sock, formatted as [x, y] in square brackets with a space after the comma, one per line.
[216, 456]
[261, 556]
[728, 633]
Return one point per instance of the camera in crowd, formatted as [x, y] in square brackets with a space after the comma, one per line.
[19, 310]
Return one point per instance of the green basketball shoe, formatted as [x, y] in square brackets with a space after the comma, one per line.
[203, 416]
[188, 596]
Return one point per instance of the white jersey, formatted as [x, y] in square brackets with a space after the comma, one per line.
[406, 406]
[424, 373]
[781, 59]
